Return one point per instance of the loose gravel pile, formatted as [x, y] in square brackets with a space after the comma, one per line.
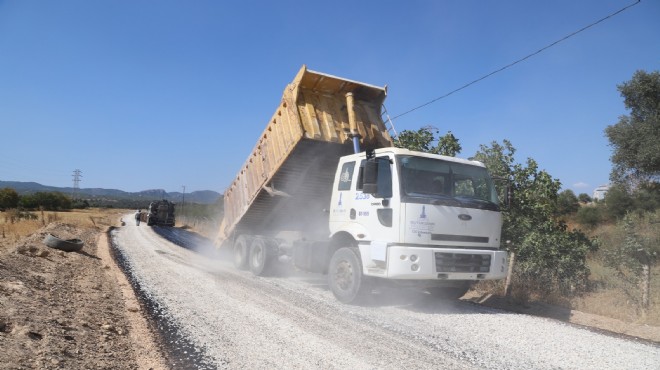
[219, 317]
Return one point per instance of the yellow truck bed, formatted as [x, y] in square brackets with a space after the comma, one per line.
[286, 182]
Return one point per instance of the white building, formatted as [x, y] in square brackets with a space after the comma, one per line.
[599, 192]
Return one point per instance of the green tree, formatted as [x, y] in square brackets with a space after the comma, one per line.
[498, 158]
[584, 198]
[635, 139]
[618, 202]
[448, 145]
[647, 197]
[422, 141]
[80, 204]
[547, 253]
[8, 199]
[50, 201]
[567, 203]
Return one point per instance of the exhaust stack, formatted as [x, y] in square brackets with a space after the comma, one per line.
[352, 123]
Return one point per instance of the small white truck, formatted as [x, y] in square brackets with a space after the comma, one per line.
[380, 214]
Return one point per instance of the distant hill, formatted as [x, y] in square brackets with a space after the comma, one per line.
[202, 196]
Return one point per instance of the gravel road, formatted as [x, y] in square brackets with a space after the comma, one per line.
[217, 317]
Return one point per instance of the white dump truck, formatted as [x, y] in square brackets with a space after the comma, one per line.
[325, 190]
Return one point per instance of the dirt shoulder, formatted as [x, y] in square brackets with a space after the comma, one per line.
[69, 310]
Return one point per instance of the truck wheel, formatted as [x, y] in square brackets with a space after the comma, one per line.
[260, 259]
[241, 252]
[345, 276]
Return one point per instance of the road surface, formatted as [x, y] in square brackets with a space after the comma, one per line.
[214, 316]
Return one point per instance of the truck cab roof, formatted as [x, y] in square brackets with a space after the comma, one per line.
[402, 151]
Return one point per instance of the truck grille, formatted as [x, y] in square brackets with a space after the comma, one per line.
[455, 262]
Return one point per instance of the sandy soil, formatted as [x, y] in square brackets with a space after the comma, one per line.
[69, 310]
[75, 310]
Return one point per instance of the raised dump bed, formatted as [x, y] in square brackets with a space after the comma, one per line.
[286, 182]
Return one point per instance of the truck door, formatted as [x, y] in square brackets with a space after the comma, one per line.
[366, 216]
[374, 208]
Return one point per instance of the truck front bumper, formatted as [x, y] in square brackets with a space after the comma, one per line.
[424, 263]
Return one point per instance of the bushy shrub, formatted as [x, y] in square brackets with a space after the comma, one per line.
[589, 217]
[555, 259]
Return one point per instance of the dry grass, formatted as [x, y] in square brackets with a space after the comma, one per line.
[13, 228]
[610, 303]
[608, 297]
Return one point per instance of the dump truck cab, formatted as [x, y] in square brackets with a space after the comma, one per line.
[418, 216]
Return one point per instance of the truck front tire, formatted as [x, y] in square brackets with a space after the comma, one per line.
[345, 277]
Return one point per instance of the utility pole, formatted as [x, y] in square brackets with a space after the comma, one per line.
[183, 198]
[77, 174]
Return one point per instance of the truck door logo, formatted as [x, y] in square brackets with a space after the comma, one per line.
[422, 226]
[340, 208]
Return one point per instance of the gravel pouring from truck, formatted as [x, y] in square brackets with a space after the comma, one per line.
[380, 214]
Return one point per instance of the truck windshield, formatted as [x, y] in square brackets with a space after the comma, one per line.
[446, 183]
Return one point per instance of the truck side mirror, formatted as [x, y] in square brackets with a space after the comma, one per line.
[508, 196]
[370, 177]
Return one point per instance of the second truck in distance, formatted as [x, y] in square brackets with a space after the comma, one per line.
[160, 212]
[325, 189]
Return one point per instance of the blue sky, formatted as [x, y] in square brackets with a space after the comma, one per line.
[161, 94]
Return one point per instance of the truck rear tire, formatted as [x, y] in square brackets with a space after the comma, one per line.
[241, 252]
[345, 277]
[261, 256]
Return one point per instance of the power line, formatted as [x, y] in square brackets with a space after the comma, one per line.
[519, 60]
